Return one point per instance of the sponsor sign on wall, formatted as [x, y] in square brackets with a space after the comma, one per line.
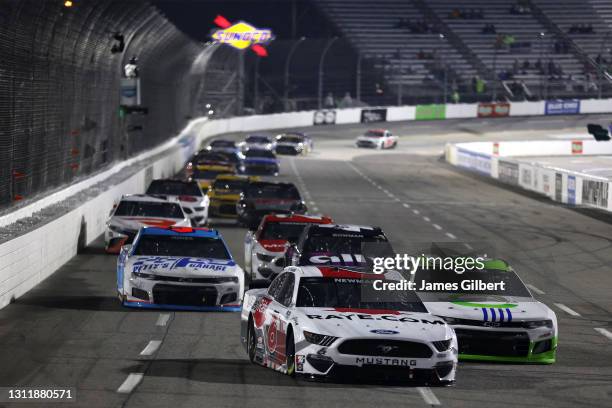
[475, 161]
[493, 110]
[595, 193]
[430, 112]
[577, 147]
[558, 186]
[130, 92]
[373, 115]
[324, 117]
[508, 172]
[561, 107]
[571, 189]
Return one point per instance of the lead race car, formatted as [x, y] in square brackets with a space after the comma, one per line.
[328, 322]
[180, 268]
[506, 325]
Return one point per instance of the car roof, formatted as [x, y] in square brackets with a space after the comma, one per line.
[376, 130]
[349, 228]
[315, 219]
[148, 198]
[334, 272]
[182, 231]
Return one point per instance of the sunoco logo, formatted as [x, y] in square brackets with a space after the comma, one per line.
[242, 35]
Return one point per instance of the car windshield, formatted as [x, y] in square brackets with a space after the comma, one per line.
[279, 191]
[374, 133]
[148, 209]
[231, 157]
[289, 139]
[341, 248]
[268, 154]
[222, 143]
[174, 187]
[233, 185]
[179, 245]
[258, 139]
[207, 157]
[513, 285]
[354, 293]
[289, 231]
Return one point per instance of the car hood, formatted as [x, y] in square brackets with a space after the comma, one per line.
[273, 203]
[342, 322]
[182, 266]
[488, 308]
[134, 223]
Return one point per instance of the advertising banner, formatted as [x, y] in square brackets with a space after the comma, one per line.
[571, 190]
[475, 161]
[561, 107]
[558, 186]
[373, 115]
[493, 110]
[130, 92]
[508, 172]
[430, 112]
[577, 147]
[324, 117]
[595, 193]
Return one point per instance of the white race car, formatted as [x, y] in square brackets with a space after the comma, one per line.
[180, 268]
[138, 210]
[378, 139]
[497, 324]
[189, 194]
[270, 241]
[326, 322]
[262, 142]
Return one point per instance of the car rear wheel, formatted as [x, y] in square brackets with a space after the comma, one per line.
[290, 352]
[251, 341]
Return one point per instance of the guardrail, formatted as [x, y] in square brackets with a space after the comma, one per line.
[30, 258]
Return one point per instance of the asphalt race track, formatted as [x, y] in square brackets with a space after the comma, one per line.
[71, 332]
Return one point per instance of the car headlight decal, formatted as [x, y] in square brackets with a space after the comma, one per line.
[320, 339]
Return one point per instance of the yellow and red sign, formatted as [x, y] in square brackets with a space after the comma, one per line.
[242, 35]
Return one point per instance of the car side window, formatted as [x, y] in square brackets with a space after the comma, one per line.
[285, 295]
[276, 285]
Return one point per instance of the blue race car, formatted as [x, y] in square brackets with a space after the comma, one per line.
[179, 268]
[260, 162]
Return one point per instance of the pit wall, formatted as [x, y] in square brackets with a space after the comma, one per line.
[499, 161]
[30, 258]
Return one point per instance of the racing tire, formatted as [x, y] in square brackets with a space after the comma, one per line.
[394, 145]
[290, 354]
[251, 341]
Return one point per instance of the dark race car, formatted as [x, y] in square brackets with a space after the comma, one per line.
[261, 198]
[293, 143]
[260, 162]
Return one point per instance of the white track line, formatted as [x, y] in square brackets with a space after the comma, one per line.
[426, 219]
[162, 320]
[604, 332]
[567, 309]
[451, 236]
[130, 383]
[151, 348]
[417, 212]
[534, 289]
[428, 396]
[436, 226]
[406, 205]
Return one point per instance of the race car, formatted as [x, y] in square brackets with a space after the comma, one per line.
[492, 324]
[293, 143]
[378, 139]
[270, 241]
[261, 198]
[225, 193]
[261, 142]
[206, 166]
[223, 145]
[330, 322]
[188, 193]
[260, 162]
[179, 268]
[137, 210]
[339, 245]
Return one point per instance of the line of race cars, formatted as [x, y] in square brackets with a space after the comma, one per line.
[312, 307]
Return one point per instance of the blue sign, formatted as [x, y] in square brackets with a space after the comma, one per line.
[571, 189]
[562, 107]
[382, 331]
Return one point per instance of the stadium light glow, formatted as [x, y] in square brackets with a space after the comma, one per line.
[68, 3]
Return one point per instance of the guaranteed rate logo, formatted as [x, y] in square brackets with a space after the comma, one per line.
[242, 35]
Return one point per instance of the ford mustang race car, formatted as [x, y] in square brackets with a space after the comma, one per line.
[329, 322]
[260, 161]
[378, 139]
[293, 143]
[138, 210]
[261, 198]
[188, 193]
[224, 194]
[179, 268]
[270, 241]
[257, 142]
[338, 245]
[496, 324]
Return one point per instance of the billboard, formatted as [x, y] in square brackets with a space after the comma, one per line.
[373, 115]
[430, 112]
[562, 107]
[508, 172]
[595, 193]
[493, 110]
[324, 117]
